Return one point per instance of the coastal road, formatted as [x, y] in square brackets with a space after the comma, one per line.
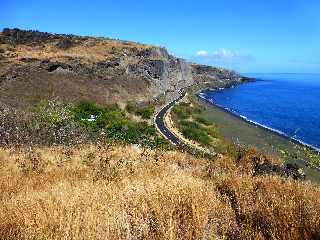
[160, 123]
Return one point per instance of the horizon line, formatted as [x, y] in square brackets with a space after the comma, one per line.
[279, 73]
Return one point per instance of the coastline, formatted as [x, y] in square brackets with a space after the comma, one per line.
[249, 121]
[243, 131]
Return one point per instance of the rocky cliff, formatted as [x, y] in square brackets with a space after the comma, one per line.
[35, 66]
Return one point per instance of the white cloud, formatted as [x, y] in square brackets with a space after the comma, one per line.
[225, 54]
[221, 56]
[202, 53]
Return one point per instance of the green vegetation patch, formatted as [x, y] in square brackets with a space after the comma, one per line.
[113, 123]
[186, 110]
[192, 125]
[194, 131]
[202, 120]
[213, 131]
[182, 111]
[299, 152]
[97, 117]
[144, 112]
[52, 123]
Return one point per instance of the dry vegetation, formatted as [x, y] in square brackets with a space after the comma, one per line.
[59, 180]
[122, 192]
[88, 69]
[89, 51]
[85, 49]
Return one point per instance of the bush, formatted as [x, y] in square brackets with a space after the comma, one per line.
[115, 125]
[103, 116]
[181, 111]
[162, 143]
[194, 131]
[196, 110]
[131, 108]
[202, 120]
[53, 123]
[52, 114]
[49, 123]
[146, 113]
[185, 110]
[313, 157]
[213, 131]
[192, 125]
[84, 110]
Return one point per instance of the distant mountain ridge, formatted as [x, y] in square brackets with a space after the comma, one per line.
[36, 65]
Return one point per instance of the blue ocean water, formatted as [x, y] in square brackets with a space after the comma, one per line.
[286, 103]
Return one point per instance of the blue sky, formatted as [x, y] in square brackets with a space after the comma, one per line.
[247, 35]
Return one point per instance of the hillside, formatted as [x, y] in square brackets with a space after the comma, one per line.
[122, 192]
[81, 158]
[35, 66]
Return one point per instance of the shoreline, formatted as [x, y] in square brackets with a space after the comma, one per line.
[256, 124]
[240, 130]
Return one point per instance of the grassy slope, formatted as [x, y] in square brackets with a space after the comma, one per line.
[98, 191]
[25, 82]
[112, 192]
[86, 49]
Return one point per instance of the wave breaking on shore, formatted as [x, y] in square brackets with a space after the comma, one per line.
[211, 101]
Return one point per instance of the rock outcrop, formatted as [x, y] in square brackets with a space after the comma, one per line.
[100, 69]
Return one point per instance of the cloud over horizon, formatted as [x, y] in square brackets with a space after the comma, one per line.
[222, 56]
[202, 53]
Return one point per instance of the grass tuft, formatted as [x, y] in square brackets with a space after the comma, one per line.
[127, 193]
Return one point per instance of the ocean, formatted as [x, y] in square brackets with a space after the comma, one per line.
[288, 104]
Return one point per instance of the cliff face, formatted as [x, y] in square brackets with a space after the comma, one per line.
[168, 73]
[35, 66]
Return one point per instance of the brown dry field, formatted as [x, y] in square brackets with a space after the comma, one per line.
[24, 83]
[85, 49]
[123, 192]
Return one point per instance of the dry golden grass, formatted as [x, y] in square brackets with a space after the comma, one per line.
[87, 51]
[120, 192]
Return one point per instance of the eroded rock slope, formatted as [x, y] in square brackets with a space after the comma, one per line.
[36, 66]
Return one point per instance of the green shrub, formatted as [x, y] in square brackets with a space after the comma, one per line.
[181, 112]
[103, 116]
[313, 157]
[146, 113]
[196, 135]
[184, 104]
[213, 131]
[192, 125]
[53, 123]
[84, 110]
[194, 131]
[57, 123]
[196, 110]
[299, 152]
[111, 117]
[128, 132]
[51, 113]
[162, 143]
[185, 110]
[202, 120]
[131, 108]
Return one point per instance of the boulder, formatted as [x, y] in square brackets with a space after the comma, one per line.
[107, 64]
[65, 43]
[52, 66]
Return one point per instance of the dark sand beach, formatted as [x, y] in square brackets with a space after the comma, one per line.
[242, 132]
